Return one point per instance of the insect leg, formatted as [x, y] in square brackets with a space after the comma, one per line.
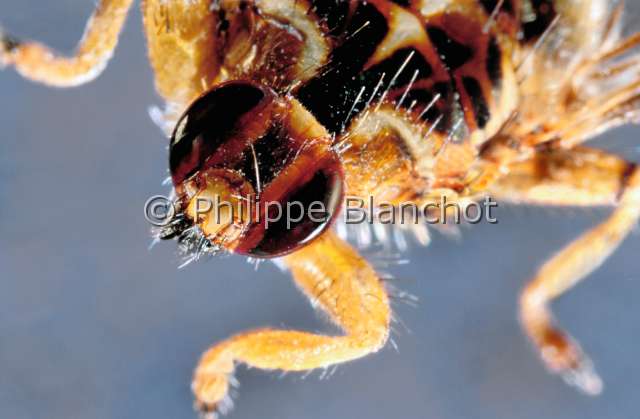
[39, 63]
[577, 177]
[604, 93]
[337, 280]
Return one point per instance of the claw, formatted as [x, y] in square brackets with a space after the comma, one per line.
[213, 394]
[214, 410]
[206, 411]
[8, 44]
[566, 358]
[584, 378]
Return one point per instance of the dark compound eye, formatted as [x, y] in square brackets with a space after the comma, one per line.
[242, 140]
[296, 208]
[212, 121]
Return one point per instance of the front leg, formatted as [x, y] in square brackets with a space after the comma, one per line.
[39, 63]
[337, 280]
[578, 177]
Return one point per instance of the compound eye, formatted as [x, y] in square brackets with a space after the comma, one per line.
[265, 165]
[212, 122]
[299, 206]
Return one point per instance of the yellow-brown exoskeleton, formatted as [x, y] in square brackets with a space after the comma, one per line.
[405, 100]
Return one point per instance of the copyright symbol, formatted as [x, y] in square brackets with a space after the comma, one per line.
[159, 211]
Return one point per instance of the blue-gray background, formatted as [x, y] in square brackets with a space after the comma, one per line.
[93, 325]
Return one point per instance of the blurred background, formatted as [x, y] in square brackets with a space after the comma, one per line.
[94, 325]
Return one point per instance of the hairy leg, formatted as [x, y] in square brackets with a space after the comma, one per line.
[582, 177]
[39, 63]
[337, 280]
